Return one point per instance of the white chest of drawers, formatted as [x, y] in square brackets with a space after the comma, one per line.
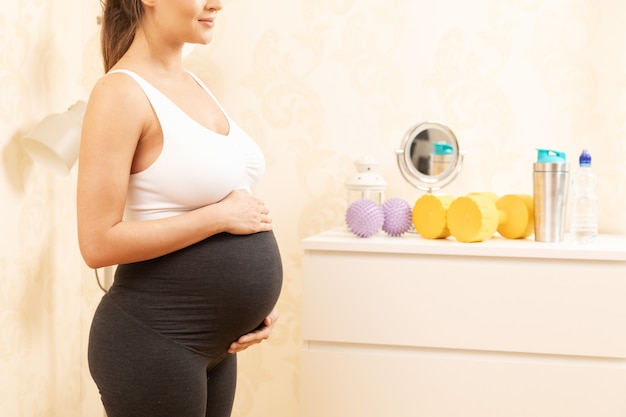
[402, 327]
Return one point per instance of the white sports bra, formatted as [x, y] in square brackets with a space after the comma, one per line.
[196, 167]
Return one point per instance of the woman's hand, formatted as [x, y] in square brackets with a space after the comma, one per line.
[256, 336]
[246, 213]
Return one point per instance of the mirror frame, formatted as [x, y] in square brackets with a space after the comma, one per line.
[409, 171]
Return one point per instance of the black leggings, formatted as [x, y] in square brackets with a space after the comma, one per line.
[159, 340]
[154, 376]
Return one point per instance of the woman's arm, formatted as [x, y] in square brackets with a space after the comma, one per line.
[117, 118]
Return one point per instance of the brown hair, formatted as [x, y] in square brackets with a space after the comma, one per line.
[120, 19]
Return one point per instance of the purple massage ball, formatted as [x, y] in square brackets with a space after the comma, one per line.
[398, 217]
[364, 217]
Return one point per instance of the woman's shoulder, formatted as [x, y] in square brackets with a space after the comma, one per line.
[118, 86]
[117, 79]
[116, 96]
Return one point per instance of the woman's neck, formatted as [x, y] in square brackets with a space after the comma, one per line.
[154, 55]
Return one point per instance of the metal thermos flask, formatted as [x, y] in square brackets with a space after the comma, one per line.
[441, 158]
[550, 188]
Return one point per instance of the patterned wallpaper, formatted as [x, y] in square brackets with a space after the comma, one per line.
[318, 83]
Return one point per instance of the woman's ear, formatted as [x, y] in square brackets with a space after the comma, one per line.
[149, 3]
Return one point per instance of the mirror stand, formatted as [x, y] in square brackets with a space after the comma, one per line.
[429, 156]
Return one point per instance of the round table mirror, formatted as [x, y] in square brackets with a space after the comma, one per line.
[429, 156]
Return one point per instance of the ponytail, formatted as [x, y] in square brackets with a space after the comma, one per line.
[120, 19]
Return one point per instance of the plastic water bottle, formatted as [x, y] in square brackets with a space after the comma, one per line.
[584, 208]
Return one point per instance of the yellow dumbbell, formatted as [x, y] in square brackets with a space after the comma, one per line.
[477, 216]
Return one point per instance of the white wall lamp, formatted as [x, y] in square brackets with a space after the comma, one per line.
[54, 142]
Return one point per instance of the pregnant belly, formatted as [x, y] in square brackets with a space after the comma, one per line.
[207, 295]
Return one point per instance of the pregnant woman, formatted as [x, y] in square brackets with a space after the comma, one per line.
[164, 192]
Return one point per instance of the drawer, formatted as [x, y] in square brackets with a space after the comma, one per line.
[546, 306]
[358, 382]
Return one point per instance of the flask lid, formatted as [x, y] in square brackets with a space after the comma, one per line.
[442, 148]
[549, 156]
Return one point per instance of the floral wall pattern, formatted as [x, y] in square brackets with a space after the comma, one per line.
[318, 83]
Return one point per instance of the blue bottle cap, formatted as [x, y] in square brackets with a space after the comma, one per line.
[585, 158]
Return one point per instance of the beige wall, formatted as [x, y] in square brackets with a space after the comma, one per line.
[318, 83]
